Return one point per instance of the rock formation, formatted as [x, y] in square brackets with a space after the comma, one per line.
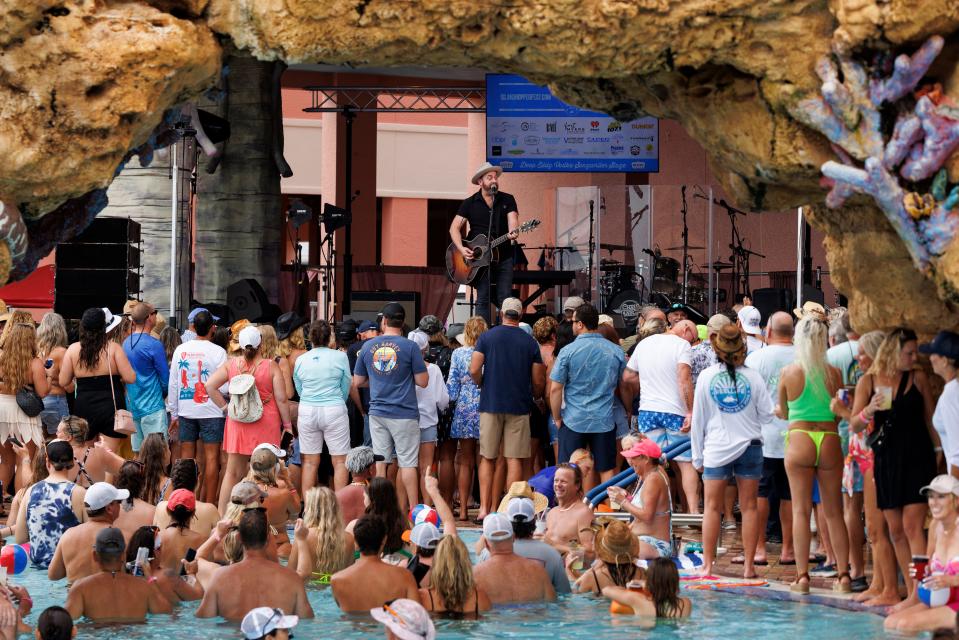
[86, 81]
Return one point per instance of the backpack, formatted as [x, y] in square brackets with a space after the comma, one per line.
[441, 356]
[245, 403]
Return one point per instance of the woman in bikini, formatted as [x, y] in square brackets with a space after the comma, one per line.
[813, 447]
[332, 546]
[617, 549]
[93, 462]
[453, 592]
[884, 589]
[942, 572]
[651, 505]
[903, 443]
[659, 596]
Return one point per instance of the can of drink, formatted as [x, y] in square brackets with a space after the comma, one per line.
[919, 564]
[844, 396]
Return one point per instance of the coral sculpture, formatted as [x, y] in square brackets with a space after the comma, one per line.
[850, 113]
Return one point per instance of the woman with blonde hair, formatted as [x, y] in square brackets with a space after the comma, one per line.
[813, 447]
[464, 397]
[282, 502]
[453, 591]
[894, 400]
[16, 317]
[20, 369]
[52, 343]
[332, 546]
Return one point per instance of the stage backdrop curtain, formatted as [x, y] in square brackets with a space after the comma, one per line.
[437, 293]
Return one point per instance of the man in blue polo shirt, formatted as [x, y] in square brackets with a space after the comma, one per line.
[393, 367]
[586, 375]
[148, 358]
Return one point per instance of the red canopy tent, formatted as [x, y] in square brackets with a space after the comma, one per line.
[33, 292]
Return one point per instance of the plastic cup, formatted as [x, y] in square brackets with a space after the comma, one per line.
[886, 398]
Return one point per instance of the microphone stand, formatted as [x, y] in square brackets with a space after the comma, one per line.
[489, 248]
[589, 259]
[685, 247]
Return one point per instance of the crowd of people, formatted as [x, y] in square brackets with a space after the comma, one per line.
[148, 467]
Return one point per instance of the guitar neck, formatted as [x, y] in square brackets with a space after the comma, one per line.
[500, 240]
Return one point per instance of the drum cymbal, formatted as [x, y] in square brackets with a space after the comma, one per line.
[718, 266]
[609, 261]
[614, 247]
[680, 247]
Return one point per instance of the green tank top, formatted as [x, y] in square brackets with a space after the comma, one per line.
[812, 405]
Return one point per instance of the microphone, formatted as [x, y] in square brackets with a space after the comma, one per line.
[648, 252]
[493, 189]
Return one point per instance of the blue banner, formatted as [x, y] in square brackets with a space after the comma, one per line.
[529, 129]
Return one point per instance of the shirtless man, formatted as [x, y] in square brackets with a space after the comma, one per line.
[650, 505]
[570, 515]
[73, 558]
[255, 581]
[113, 595]
[361, 463]
[183, 475]
[369, 582]
[505, 576]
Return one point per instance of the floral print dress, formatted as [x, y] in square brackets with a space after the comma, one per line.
[464, 392]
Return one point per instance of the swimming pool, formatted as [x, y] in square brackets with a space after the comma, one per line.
[715, 615]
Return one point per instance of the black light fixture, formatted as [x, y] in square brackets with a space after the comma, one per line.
[335, 217]
[299, 213]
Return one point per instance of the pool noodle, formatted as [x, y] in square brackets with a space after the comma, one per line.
[600, 493]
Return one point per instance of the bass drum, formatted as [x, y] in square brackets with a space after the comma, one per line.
[624, 308]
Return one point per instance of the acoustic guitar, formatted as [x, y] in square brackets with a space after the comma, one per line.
[463, 271]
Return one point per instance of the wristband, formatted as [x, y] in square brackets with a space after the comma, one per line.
[862, 416]
[287, 426]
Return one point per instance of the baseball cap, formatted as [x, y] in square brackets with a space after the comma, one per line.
[421, 339]
[430, 325]
[263, 459]
[141, 312]
[278, 452]
[263, 621]
[645, 447]
[249, 337]
[946, 343]
[677, 306]
[247, 494]
[496, 527]
[367, 325]
[103, 493]
[394, 311]
[425, 535]
[59, 451]
[573, 302]
[407, 619]
[110, 542]
[182, 498]
[943, 484]
[512, 307]
[346, 330]
[717, 322]
[521, 510]
[193, 313]
[750, 318]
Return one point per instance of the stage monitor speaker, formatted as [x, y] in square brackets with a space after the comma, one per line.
[812, 294]
[771, 300]
[247, 299]
[366, 305]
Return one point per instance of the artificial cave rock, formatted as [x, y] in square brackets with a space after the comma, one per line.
[85, 82]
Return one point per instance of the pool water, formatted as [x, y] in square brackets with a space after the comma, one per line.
[715, 615]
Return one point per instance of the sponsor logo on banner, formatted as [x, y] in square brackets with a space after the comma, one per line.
[568, 152]
[551, 127]
[616, 149]
[594, 125]
[614, 126]
[497, 139]
[595, 139]
[531, 140]
[638, 165]
[506, 164]
[516, 152]
[573, 140]
[552, 140]
[497, 150]
[528, 126]
[641, 125]
[635, 150]
[572, 127]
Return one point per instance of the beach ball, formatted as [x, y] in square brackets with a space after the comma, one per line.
[424, 513]
[13, 558]
[933, 597]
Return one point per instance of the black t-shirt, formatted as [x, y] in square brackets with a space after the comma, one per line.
[476, 212]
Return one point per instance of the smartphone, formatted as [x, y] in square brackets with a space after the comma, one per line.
[190, 557]
[48, 364]
[13, 440]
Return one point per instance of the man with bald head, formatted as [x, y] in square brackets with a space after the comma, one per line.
[686, 329]
[769, 361]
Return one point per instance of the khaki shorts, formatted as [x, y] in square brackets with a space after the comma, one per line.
[510, 428]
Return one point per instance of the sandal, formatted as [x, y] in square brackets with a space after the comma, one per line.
[838, 585]
[800, 587]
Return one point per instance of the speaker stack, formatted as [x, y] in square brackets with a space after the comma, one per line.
[98, 268]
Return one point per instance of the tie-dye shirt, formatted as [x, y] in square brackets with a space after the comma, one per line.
[49, 515]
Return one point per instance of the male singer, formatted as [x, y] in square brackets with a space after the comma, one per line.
[491, 212]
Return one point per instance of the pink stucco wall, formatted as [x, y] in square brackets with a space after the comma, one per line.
[404, 231]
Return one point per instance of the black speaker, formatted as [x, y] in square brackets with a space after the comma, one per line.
[247, 299]
[102, 255]
[771, 300]
[110, 230]
[366, 305]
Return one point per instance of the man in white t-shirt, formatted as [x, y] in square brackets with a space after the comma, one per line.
[769, 361]
[191, 409]
[660, 371]
[750, 321]
[944, 356]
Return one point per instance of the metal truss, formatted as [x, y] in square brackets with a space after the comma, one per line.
[397, 99]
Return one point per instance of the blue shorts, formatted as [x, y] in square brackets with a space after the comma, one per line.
[209, 430]
[427, 435]
[620, 419]
[295, 455]
[655, 420]
[748, 466]
[155, 422]
[668, 439]
[662, 547]
[55, 409]
[553, 431]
